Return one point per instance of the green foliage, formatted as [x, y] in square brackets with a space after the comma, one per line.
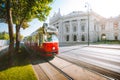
[29, 38]
[24, 11]
[25, 25]
[21, 36]
[2, 10]
[4, 36]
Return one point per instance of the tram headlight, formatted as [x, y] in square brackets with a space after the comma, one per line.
[53, 48]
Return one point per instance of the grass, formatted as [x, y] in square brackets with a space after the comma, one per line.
[18, 73]
[21, 70]
[108, 42]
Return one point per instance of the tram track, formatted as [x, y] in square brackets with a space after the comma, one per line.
[75, 73]
[65, 74]
[110, 75]
[90, 51]
[97, 58]
[110, 57]
[106, 63]
[38, 68]
[68, 71]
[48, 71]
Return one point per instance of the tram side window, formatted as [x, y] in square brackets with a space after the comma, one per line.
[49, 38]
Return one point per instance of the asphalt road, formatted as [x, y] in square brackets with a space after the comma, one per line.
[107, 59]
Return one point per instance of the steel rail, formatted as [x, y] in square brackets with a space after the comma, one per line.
[95, 69]
[66, 75]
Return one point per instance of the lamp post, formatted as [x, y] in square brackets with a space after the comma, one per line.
[87, 5]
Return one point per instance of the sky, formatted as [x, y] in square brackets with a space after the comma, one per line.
[105, 8]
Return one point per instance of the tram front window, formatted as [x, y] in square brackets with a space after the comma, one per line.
[52, 38]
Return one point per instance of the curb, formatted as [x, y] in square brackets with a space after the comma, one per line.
[106, 47]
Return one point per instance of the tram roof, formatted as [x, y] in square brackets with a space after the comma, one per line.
[52, 29]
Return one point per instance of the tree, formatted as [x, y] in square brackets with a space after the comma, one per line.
[21, 37]
[10, 27]
[26, 10]
[6, 16]
[21, 12]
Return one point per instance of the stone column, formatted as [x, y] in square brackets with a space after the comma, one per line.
[70, 22]
[78, 30]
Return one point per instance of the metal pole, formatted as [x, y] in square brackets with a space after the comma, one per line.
[88, 26]
[88, 21]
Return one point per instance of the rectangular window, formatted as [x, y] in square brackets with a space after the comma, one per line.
[66, 22]
[102, 27]
[74, 29]
[83, 28]
[95, 27]
[115, 25]
[67, 29]
[82, 19]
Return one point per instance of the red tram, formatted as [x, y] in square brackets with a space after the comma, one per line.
[44, 41]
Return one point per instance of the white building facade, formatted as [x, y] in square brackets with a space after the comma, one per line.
[74, 27]
[110, 29]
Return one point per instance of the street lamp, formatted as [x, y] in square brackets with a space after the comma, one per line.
[88, 8]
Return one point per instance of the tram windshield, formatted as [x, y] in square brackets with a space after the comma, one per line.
[52, 38]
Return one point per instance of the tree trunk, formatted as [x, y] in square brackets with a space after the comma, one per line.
[17, 38]
[10, 27]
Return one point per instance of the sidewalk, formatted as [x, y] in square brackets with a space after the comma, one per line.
[108, 46]
[3, 47]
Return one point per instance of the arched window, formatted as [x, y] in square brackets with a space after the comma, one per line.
[116, 36]
[83, 38]
[74, 38]
[67, 38]
[57, 27]
[103, 37]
